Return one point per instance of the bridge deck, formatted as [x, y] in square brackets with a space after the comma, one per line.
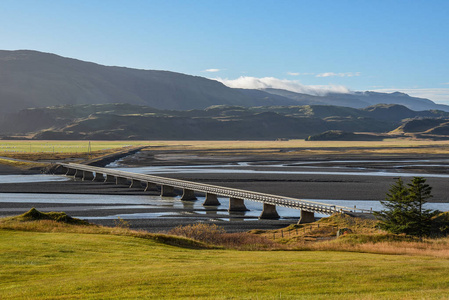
[308, 206]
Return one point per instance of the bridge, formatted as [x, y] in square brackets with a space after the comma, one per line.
[237, 197]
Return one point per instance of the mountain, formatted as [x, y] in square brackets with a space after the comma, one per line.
[34, 79]
[219, 122]
[362, 99]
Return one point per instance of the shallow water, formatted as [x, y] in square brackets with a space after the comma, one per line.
[174, 206]
[294, 168]
[31, 178]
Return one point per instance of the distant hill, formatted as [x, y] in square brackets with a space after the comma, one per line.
[425, 126]
[219, 122]
[338, 135]
[362, 99]
[31, 79]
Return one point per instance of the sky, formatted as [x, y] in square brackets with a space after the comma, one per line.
[312, 46]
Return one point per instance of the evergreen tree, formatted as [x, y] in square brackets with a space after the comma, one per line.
[419, 193]
[404, 211]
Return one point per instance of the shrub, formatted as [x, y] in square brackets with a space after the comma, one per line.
[216, 235]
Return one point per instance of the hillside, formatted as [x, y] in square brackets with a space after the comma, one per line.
[31, 79]
[126, 121]
[361, 99]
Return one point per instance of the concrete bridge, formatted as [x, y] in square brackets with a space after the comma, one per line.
[237, 197]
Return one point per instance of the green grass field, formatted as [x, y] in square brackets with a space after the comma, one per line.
[82, 146]
[58, 265]
[26, 146]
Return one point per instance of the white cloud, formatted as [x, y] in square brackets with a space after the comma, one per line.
[298, 74]
[245, 82]
[331, 74]
[212, 70]
[438, 95]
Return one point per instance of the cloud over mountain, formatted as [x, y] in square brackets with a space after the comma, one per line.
[246, 82]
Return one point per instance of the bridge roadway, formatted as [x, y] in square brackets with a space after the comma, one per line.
[236, 196]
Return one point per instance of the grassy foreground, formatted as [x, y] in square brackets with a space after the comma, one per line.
[53, 260]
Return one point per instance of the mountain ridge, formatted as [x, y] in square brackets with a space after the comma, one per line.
[126, 121]
[30, 79]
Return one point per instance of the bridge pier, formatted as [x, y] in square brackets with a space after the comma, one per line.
[151, 187]
[61, 170]
[70, 172]
[236, 204]
[135, 184]
[211, 200]
[306, 217]
[79, 173]
[109, 178]
[167, 191]
[98, 177]
[269, 212]
[121, 180]
[88, 176]
[188, 195]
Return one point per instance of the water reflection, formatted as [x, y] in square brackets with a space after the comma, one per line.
[32, 178]
[95, 207]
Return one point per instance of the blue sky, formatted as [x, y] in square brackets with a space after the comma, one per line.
[304, 45]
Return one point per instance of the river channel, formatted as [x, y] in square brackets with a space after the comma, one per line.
[368, 179]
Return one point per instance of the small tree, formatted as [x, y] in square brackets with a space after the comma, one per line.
[404, 211]
[419, 193]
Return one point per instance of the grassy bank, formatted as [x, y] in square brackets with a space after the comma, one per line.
[21, 164]
[295, 147]
[45, 259]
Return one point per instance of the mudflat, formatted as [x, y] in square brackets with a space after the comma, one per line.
[341, 177]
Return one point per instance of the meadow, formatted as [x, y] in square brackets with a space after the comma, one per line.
[17, 148]
[68, 259]
[65, 265]
[38, 146]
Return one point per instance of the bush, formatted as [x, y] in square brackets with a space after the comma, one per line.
[216, 235]
[200, 232]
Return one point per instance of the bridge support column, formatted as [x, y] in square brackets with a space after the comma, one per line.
[211, 200]
[236, 204]
[70, 172]
[121, 180]
[88, 176]
[188, 195]
[109, 178]
[269, 212]
[60, 170]
[150, 187]
[99, 177]
[135, 184]
[306, 217]
[167, 191]
[79, 174]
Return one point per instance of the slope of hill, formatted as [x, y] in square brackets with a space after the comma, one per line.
[362, 99]
[34, 79]
[31, 79]
[126, 121]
